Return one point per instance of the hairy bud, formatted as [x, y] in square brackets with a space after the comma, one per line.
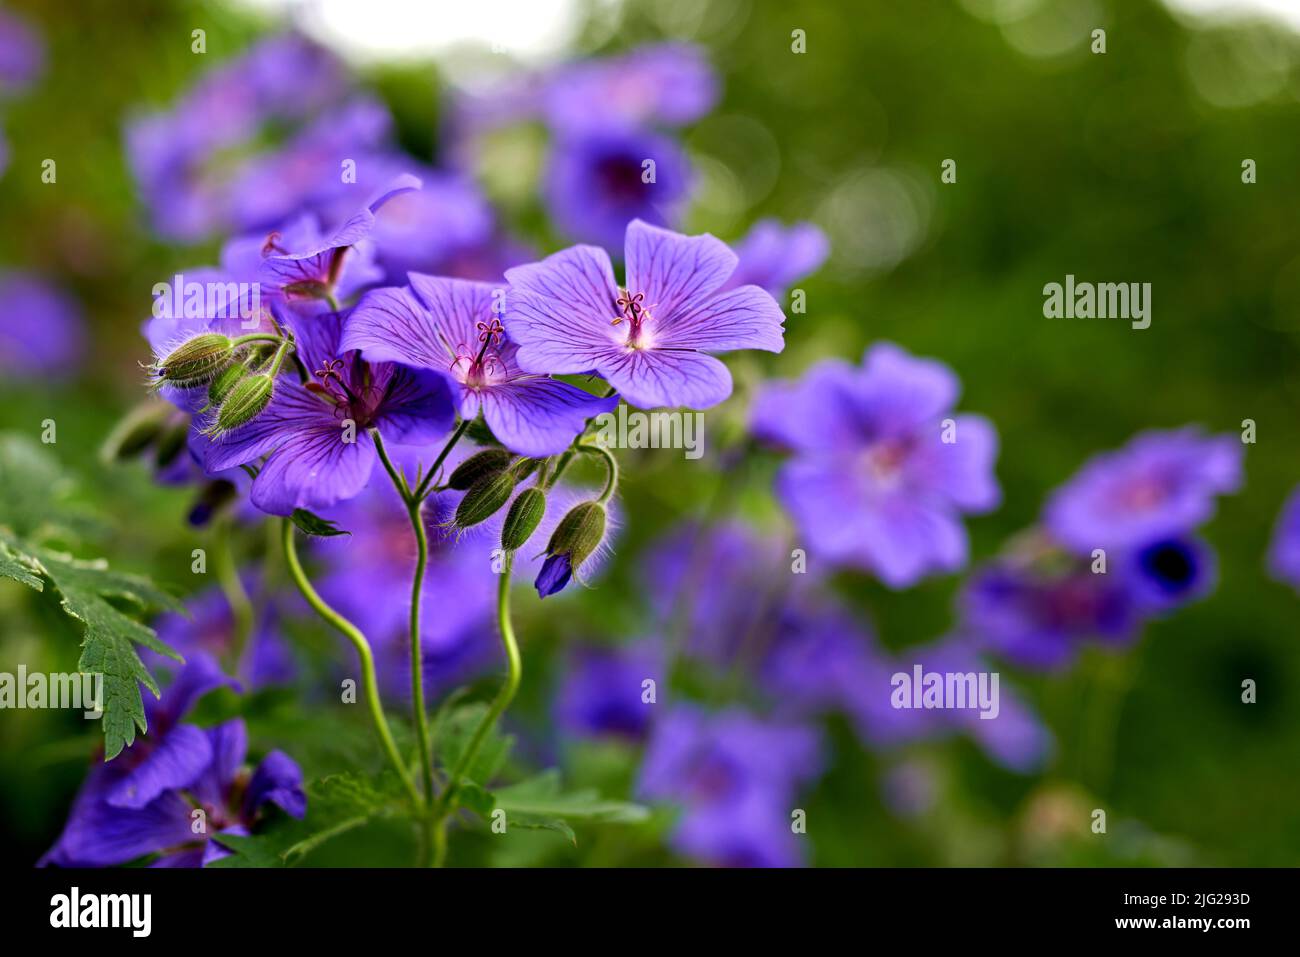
[480, 464]
[224, 381]
[485, 498]
[247, 400]
[523, 518]
[574, 540]
[197, 361]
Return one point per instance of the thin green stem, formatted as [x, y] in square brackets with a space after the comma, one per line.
[423, 489]
[611, 470]
[257, 337]
[358, 640]
[241, 607]
[514, 674]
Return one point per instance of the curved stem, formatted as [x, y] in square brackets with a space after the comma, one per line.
[423, 489]
[611, 470]
[354, 635]
[514, 674]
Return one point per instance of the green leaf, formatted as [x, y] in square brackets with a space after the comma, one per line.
[13, 565]
[335, 805]
[311, 524]
[534, 822]
[34, 502]
[455, 734]
[542, 797]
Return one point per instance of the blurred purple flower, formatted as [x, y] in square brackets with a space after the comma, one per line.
[144, 802]
[736, 778]
[1284, 553]
[883, 470]
[313, 458]
[601, 691]
[775, 257]
[649, 340]
[1168, 573]
[595, 183]
[1163, 483]
[454, 326]
[22, 53]
[42, 330]
[669, 83]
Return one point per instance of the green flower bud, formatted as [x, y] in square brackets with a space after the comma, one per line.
[197, 361]
[225, 380]
[485, 498]
[523, 518]
[137, 430]
[579, 533]
[247, 400]
[480, 464]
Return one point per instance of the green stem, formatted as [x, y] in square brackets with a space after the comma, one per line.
[514, 673]
[423, 490]
[241, 608]
[611, 470]
[354, 635]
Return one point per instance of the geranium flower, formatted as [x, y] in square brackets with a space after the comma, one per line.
[775, 257]
[1163, 483]
[879, 481]
[315, 433]
[144, 803]
[650, 340]
[453, 326]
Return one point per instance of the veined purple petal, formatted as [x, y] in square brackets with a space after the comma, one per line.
[392, 325]
[174, 763]
[656, 378]
[672, 270]
[537, 416]
[418, 407]
[228, 744]
[312, 469]
[561, 310]
[745, 318]
[278, 781]
[555, 574]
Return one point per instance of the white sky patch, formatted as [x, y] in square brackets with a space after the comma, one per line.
[1285, 11]
[370, 30]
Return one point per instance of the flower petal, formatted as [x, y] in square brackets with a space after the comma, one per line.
[561, 309]
[313, 469]
[675, 272]
[456, 307]
[656, 378]
[392, 325]
[745, 318]
[277, 780]
[174, 763]
[537, 416]
[418, 407]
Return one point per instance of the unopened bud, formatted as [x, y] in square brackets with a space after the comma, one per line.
[137, 430]
[225, 380]
[485, 498]
[523, 518]
[478, 465]
[579, 533]
[197, 361]
[171, 444]
[247, 400]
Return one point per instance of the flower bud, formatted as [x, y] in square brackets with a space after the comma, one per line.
[485, 498]
[480, 464]
[195, 362]
[137, 430]
[171, 444]
[577, 536]
[247, 400]
[523, 518]
[224, 381]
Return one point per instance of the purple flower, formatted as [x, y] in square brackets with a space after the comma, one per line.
[596, 183]
[1163, 483]
[1284, 553]
[145, 803]
[736, 778]
[1169, 573]
[455, 326]
[22, 53]
[42, 330]
[556, 573]
[601, 692]
[668, 83]
[1038, 614]
[775, 257]
[316, 440]
[648, 340]
[883, 469]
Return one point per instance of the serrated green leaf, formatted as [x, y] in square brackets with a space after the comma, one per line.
[455, 736]
[542, 796]
[311, 524]
[15, 567]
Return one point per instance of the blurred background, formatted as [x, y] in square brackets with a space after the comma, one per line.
[1124, 166]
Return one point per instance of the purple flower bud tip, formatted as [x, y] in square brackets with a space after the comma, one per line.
[555, 574]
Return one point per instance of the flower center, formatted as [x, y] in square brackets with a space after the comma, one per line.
[484, 367]
[885, 460]
[635, 312]
[352, 404]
